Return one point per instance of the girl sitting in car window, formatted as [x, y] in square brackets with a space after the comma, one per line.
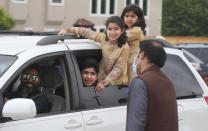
[133, 17]
[113, 66]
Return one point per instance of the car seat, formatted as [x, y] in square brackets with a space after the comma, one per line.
[58, 102]
[50, 81]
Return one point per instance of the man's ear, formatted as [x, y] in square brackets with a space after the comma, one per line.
[142, 55]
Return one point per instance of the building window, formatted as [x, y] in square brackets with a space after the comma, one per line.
[136, 2]
[19, 1]
[145, 6]
[103, 7]
[112, 6]
[99, 28]
[142, 3]
[94, 6]
[57, 2]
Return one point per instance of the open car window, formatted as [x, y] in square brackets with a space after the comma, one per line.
[110, 97]
[53, 87]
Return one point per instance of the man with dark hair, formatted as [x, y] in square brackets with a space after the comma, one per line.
[151, 97]
[30, 82]
[89, 72]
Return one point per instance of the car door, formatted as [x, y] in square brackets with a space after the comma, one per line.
[61, 122]
[106, 111]
[68, 119]
[103, 112]
[189, 92]
[105, 119]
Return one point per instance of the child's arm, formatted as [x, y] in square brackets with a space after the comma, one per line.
[73, 30]
[115, 72]
[87, 33]
[135, 33]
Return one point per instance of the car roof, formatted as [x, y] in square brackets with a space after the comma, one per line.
[82, 44]
[12, 45]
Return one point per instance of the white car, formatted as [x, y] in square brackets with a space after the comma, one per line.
[78, 108]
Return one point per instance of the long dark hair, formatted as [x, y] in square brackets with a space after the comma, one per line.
[117, 20]
[138, 11]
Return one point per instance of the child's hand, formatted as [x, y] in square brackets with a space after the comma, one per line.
[62, 32]
[100, 86]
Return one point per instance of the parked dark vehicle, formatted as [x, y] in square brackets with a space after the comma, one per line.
[200, 50]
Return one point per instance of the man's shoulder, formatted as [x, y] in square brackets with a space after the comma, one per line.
[37, 94]
[138, 82]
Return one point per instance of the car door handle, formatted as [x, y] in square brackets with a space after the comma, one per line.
[73, 125]
[93, 122]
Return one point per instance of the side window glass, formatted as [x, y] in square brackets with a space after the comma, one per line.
[184, 82]
[113, 96]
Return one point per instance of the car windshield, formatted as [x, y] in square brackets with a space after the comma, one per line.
[178, 72]
[204, 55]
[194, 51]
[191, 57]
[199, 52]
[5, 62]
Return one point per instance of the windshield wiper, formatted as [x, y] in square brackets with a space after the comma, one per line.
[192, 94]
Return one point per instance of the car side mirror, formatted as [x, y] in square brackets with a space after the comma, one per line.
[19, 108]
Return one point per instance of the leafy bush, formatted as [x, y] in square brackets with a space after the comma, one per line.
[6, 21]
[185, 17]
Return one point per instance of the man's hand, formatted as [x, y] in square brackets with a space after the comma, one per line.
[5, 99]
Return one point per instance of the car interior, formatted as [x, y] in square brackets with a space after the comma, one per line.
[51, 85]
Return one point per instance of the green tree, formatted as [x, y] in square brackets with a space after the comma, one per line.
[6, 21]
[185, 17]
